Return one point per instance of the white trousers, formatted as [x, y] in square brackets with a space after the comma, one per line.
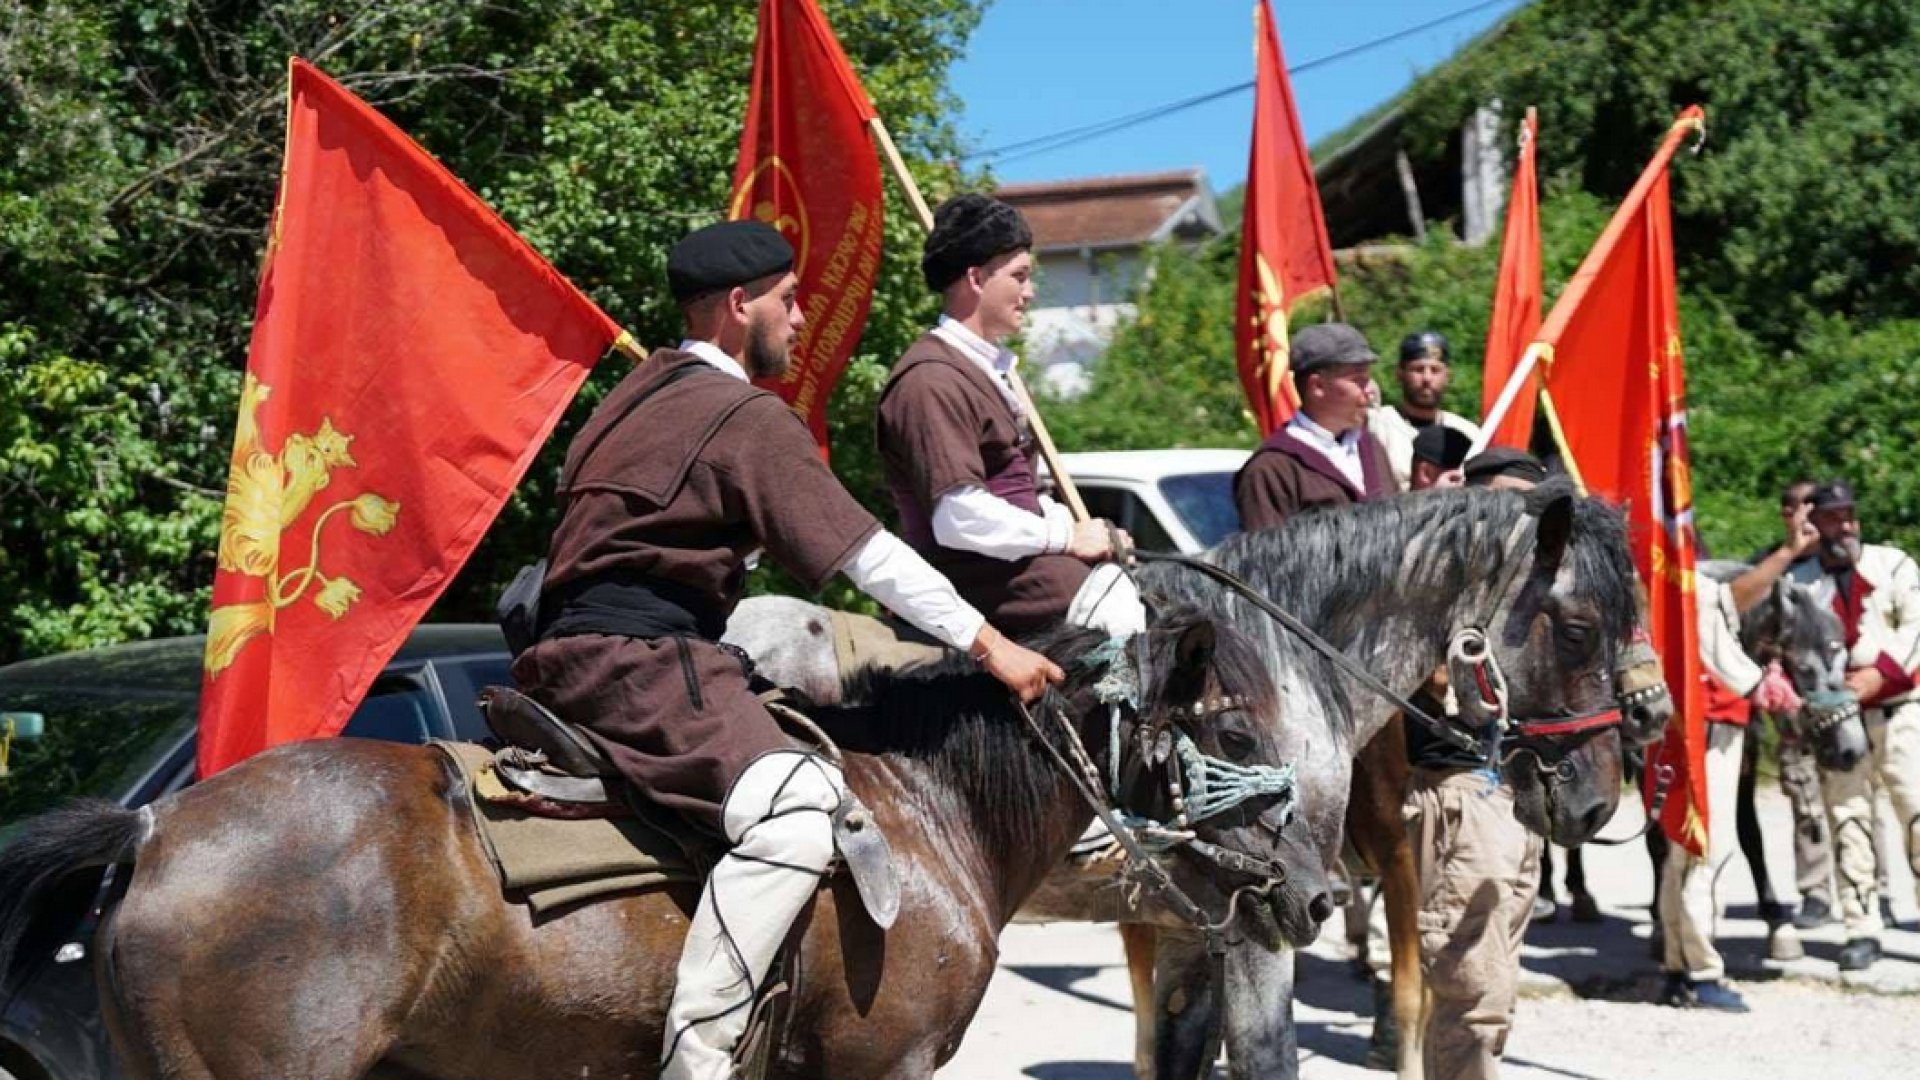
[1894, 762]
[1108, 601]
[779, 819]
[1689, 905]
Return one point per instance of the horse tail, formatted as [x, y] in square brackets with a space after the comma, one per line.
[82, 835]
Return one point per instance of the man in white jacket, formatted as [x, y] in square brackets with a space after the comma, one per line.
[1688, 907]
[1875, 589]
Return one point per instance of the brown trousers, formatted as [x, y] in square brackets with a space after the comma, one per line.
[1479, 870]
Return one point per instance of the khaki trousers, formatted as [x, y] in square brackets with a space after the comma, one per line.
[1479, 869]
[1894, 762]
[1689, 907]
[1812, 854]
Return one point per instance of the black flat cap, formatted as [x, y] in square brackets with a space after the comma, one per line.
[971, 230]
[1496, 461]
[1438, 444]
[1326, 344]
[1832, 495]
[724, 255]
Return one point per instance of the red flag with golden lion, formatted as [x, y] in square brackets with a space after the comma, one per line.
[410, 355]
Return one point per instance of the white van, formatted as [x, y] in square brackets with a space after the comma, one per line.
[1170, 500]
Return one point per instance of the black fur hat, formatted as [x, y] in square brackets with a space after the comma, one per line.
[971, 230]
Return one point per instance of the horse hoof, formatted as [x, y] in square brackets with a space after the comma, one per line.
[1783, 944]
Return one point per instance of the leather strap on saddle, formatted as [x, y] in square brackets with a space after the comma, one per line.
[522, 722]
[549, 757]
[869, 858]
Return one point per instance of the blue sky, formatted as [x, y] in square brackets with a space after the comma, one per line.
[1035, 67]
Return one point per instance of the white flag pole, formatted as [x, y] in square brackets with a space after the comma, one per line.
[1516, 383]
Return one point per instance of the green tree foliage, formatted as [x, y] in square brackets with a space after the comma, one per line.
[139, 149]
[1797, 242]
[1798, 248]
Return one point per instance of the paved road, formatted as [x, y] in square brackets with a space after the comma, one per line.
[1058, 1009]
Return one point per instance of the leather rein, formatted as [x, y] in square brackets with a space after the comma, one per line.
[1143, 871]
[1480, 686]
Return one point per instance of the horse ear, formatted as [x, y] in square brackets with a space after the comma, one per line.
[1192, 660]
[1552, 503]
[1195, 648]
[1782, 596]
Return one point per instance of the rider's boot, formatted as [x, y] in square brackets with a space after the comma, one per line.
[778, 817]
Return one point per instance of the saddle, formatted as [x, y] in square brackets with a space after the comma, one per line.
[549, 768]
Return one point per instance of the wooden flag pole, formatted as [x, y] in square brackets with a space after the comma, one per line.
[1069, 494]
[1692, 119]
[629, 347]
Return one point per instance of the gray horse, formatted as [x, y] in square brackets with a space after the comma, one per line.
[1388, 584]
[1792, 626]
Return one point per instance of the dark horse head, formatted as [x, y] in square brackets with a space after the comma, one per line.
[1174, 727]
[1558, 622]
[1791, 626]
[1204, 740]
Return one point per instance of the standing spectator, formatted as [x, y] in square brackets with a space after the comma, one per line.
[1688, 907]
[1478, 868]
[1324, 455]
[1796, 558]
[1876, 591]
[1425, 370]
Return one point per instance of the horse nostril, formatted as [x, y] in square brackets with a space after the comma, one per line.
[1320, 908]
[1593, 820]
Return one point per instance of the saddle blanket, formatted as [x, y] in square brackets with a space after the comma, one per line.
[861, 641]
[551, 863]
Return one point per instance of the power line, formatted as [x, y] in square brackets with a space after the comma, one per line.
[1059, 140]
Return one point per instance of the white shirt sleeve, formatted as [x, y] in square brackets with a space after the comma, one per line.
[971, 518]
[1720, 648]
[1058, 517]
[888, 570]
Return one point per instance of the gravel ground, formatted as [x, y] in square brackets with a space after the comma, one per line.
[1058, 1009]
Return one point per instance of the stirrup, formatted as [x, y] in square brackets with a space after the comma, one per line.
[546, 756]
[518, 720]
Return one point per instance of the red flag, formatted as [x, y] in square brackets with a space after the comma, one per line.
[1615, 394]
[1516, 301]
[410, 354]
[807, 167]
[1284, 253]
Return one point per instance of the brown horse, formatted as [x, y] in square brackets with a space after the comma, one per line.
[327, 910]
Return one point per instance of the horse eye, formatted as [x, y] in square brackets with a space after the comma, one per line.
[1237, 745]
[1576, 633]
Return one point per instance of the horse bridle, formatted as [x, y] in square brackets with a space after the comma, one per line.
[1480, 687]
[1199, 787]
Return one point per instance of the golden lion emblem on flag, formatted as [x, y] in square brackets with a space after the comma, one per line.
[266, 494]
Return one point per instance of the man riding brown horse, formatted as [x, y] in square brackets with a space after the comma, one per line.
[680, 477]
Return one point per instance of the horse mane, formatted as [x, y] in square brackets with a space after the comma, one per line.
[1802, 624]
[1336, 569]
[962, 727]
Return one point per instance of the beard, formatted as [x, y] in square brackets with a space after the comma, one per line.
[1841, 551]
[1421, 397]
[768, 355]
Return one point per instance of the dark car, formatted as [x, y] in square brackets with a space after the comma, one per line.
[118, 723]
